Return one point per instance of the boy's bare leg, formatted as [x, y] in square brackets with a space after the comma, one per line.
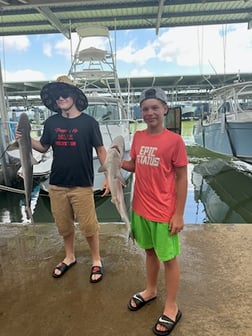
[152, 270]
[94, 245]
[69, 251]
[172, 284]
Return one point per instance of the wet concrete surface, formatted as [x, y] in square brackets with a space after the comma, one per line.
[215, 290]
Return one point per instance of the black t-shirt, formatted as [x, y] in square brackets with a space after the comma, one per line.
[72, 141]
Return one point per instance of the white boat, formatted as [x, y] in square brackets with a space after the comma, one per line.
[93, 70]
[228, 128]
[42, 169]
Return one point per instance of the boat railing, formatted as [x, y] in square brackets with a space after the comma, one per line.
[9, 128]
[111, 128]
[92, 30]
[92, 74]
[36, 129]
[234, 101]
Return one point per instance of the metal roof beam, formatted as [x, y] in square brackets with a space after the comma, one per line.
[159, 16]
[54, 20]
[13, 2]
[19, 17]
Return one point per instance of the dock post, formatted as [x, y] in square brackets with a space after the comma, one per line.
[3, 131]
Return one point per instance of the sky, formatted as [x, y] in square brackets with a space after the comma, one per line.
[215, 49]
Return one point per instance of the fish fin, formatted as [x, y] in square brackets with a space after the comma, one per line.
[115, 201]
[131, 236]
[122, 180]
[102, 169]
[33, 160]
[12, 146]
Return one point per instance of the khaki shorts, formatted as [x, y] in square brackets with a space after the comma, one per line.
[73, 204]
[155, 235]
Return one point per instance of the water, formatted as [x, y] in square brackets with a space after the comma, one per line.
[219, 191]
[12, 207]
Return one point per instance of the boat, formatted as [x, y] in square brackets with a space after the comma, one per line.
[224, 189]
[93, 70]
[227, 129]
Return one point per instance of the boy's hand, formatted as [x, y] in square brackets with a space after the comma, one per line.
[18, 135]
[176, 224]
[105, 187]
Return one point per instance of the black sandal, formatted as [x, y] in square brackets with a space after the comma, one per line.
[96, 270]
[139, 302]
[62, 267]
[167, 323]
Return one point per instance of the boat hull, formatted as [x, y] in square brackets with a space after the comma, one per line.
[234, 139]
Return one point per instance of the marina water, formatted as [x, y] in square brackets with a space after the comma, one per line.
[219, 191]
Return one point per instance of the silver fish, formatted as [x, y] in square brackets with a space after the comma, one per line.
[112, 165]
[27, 160]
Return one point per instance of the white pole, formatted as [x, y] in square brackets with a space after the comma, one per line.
[4, 130]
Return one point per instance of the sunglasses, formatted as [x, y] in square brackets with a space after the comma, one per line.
[63, 95]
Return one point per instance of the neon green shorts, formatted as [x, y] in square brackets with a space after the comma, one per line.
[155, 235]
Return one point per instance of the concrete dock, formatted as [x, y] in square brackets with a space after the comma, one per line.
[215, 294]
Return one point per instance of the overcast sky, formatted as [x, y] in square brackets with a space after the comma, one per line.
[174, 51]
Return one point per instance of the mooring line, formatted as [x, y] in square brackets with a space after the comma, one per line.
[15, 190]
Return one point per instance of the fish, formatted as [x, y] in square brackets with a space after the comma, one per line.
[26, 159]
[112, 166]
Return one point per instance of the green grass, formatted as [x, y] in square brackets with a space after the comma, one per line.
[187, 127]
[196, 152]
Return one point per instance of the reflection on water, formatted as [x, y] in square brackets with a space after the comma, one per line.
[224, 192]
[12, 207]
[218, 192]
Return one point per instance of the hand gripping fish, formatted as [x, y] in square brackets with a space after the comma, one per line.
[27, 160]
[112, 165]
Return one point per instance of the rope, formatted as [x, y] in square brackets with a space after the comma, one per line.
[14, 190]
[4, 152]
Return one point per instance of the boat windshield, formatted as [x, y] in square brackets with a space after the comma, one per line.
[103, 111]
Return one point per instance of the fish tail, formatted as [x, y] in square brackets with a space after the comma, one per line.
[29, 214]
[131, 236]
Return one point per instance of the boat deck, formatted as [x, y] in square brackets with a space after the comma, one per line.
[215, 290]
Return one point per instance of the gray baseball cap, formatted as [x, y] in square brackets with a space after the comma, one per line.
[153, 93]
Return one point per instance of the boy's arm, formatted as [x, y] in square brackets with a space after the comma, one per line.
[128, 165]
[102, 153]
[177, 220]
[37, 145]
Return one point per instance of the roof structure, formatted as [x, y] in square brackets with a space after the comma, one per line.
[27, 17]
[21, 17]
[178, 88]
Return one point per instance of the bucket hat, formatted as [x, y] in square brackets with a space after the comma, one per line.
[62, 86]
[153, 93]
